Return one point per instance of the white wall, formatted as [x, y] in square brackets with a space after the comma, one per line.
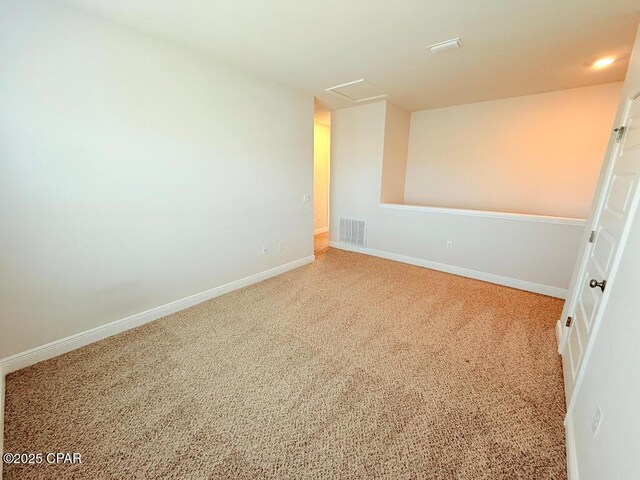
[532, 253]
[396, 144]
[611, 371]
[134, 172]
[537, 154]
[1, 417]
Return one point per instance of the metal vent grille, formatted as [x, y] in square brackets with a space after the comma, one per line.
[353, 231]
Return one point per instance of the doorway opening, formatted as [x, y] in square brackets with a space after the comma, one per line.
[321, 174]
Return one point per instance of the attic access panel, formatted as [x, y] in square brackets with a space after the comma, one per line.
[358, 91]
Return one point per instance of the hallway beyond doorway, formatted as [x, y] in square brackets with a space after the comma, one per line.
[320, 243]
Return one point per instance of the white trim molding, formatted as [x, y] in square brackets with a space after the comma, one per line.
[461, 271]
[320, 230]
[572, 459]
[64, 345]
[524, 217]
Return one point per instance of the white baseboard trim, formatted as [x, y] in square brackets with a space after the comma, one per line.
[64, 345]
[572, 459]
[320, 230]
[463, 272]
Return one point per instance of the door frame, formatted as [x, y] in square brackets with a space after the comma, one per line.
[572, 299]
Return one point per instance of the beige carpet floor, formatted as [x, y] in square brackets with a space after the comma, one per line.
[351, 367]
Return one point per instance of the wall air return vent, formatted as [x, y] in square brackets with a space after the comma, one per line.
[353, 232]
[358, 91]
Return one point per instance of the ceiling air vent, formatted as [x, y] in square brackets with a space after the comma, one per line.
[358, 91]
[445, 46]
[353, 232]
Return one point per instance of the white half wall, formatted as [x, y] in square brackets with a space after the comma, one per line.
[135, 172]
[538, 252]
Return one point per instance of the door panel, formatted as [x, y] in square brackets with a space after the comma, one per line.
[575, 350]
[588, 303]
[633, 133]
[603, 249]
[620, 195]
[611, 225]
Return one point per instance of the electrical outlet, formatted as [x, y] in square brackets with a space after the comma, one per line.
[306, 198]
[597, 420]
[264, 250]
[449, 245]
[281, 246]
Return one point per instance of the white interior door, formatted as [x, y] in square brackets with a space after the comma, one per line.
[609, 235]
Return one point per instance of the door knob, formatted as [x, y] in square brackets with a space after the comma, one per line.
[594, 283]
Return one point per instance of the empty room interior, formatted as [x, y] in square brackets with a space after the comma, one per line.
[282, 239]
